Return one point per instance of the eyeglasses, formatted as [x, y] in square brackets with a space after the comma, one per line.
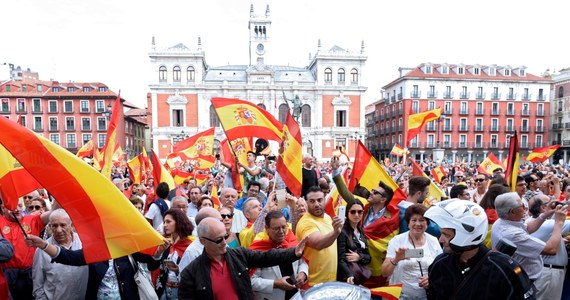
[375, 192]
[479, 179]
[34, 207]
[218, 241]
[28, 197]
[227, 216]
[277, 229]
[459, 176]
[356, 211]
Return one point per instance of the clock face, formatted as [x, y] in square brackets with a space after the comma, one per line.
[260, 49]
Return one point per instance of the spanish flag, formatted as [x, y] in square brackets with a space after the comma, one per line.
[237, 148]
[110, 143]
[438, 173]
[15, 181]
[214, 196]
[135, 169]
[198, 149]
[391, 292]
[541, 154]
[241, 118]
[417, 121]
[490, 163]
[109, 225]
[160, 174]
[290, 160]
[86, 150]
[513, 162]
[434, 190]
[397, 150]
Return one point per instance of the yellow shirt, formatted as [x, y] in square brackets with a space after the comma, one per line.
[322, 263]
[246, 236]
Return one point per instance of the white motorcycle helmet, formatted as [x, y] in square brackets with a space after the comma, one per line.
[467, 218]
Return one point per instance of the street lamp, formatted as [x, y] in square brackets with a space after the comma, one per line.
[108, 112]
[438, 152]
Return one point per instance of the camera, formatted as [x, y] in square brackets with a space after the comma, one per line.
[272, 157]
[217, 156]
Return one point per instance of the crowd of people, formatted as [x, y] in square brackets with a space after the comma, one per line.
[480, 241]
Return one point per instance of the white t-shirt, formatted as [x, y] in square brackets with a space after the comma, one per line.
[407, 272]
[154, 214]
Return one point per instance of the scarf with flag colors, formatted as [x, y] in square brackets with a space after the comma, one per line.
[262, 242]
[159, 173]
[108, 224]
[438, 173]
[15, 181]
[434, 191]
[417, 121]
[86, 150]
[198, 149]
[490, 163]
[290, 161]
[241, 118]
[397, 150]
[513, 162]
[111, 141]
[542, 154]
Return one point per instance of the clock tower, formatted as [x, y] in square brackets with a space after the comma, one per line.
[259, 32]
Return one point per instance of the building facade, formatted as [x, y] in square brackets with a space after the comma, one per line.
[560, 129]
[328, 91]
[483, 105]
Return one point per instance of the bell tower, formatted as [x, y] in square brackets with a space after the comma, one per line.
[259, 33]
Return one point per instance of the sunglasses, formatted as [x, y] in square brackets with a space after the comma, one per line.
[227, 216]
[218, 241]
[34, 207]
[479, 180]
[356, 211]
[28, 197]
[375, 192]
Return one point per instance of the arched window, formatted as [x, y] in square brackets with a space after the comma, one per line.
[354, 76]
[190, 74]
[176, 74]
[261, 105]
[306, 116]
[341, 75]
[561, 92]
[162, 74]
[328, 75]
[214, 121]
[283, 109]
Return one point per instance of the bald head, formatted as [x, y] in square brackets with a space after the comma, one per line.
[210, 225]
[207, 212]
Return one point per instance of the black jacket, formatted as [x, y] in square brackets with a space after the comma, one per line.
[123, 268]
[196, 283]
[344, 244]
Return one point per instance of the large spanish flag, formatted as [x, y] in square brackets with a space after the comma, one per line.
[290, 160]
[490, 163]
[159, 173]
[417, 121]
[241, 118]
[86, 150]
[513, 162]
[434, 191]
[541, 154]
[109, 225]
[198, 149]
[110, 142]
[15, 181]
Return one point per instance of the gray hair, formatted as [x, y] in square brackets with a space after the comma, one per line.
[264, 182]
[246, 207]
[60, 212]
[505, 202]
[179, 198]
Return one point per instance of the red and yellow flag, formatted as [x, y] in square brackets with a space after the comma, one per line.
[541, 154]
[241, 118]
[397, 150]
[417, 121]
[290, 160]
[160, 174]
[86, 150]
[490, 163]
[108, 224]
[438, 173]
[15, 181]
[135, 169]
[110, 142]
[513, 162]
[198, 149]
[240, 148]
[390, 292]
[215, 197]
[434, 191]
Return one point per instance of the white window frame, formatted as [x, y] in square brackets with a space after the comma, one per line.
[81, 102]
[64, 106]
[56, 106]
[52, 136]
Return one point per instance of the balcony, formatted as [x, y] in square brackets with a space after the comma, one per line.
[447, 128]
[464, 111]
[525, 145]
[479, 112]
[462, 145]
[70, 128]
[415, 94]
[37, 110]
[540, 98]
[84, 110]
[567, 125]
[430, 145]
[5, 111]
[538, 129]
[511, 96]
[495, 112]
[557, 126]
[448, 111]
[400, 96]
[478, 145]
[400, 111]
[495, 96]
[448, 95]
[53, 128]
[431, 127]
[510, 112]
[480, 96]
[464, 95]
[393, 99]
[38, 129]
[480, 128]
[540, 113]
[510, 129]
[525, 112]
[463, 128]
[86, 128]
[538, 145]
[71, 145]
[495, 128]
[525, 129]
[414, 144]
[446, 144]
[526, 97]
[21, 111]
[432, 94]
[493, 145]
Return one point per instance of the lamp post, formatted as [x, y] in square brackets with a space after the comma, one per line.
[438, 152]
[108, 112]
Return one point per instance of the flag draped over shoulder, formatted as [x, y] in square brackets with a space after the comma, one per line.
[490, 163]
[86, 150]
[159, 173]
[417, 121]
[198, 149]
[390, 292]
[110, 143]
[108, 224]
[15, 181]
[290, 160]
[513, 162]
[241, 118]
[438, 173]
[541, 154]
[434, 190]
[397, 150]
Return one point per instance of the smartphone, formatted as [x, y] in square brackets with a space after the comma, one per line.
[342, 212]
[414, 253]
[291, 280]
[281, 197]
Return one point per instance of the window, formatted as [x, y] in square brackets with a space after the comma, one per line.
[100, 106]
[177, 118]
[5, 105]
[54, 137]
[540, 94]
[341, 118]
[431, 139]
[162, 74]
[55, 89]
[428, 69]
[510, 126]
[70, 89]
[525, 94]
[494, 142]
[431, 105]
[521, 73]
[524, 140]
[68, 106]
[261, 105]
[283, 109]
[86, 124]
[53, 124]
[463, 107]
[214, 121]
[36, 105]
[478, 141]
[84, 106]
[354, 76]
[510, 109]
[444, 69]
[476, 71]
[507, 72]
[101, 123]
[340, 143]
[69, 123]
[447, 108]
[102, 89]
[447, 92]
[86, 89]
[39, 88]
[495, 108]
[21, 105]
[495, 95]
[415, 92]
[431, 92]
[479, 108]
[560, 92]
[23, 121]
[328, 75]
[86, 138]
[495, 124]
[306, 116]
[492, 71]
[479, 124]
[341, 75]
[38, 124]
[71, 140]
[52, 106]
[460, 70]
[415, 107]
[538, 141]
[101, 138]
[190, 73]
[463, 140]
[176, 74]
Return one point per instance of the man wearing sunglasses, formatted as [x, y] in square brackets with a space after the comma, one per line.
[223, 273]
[480, 187]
